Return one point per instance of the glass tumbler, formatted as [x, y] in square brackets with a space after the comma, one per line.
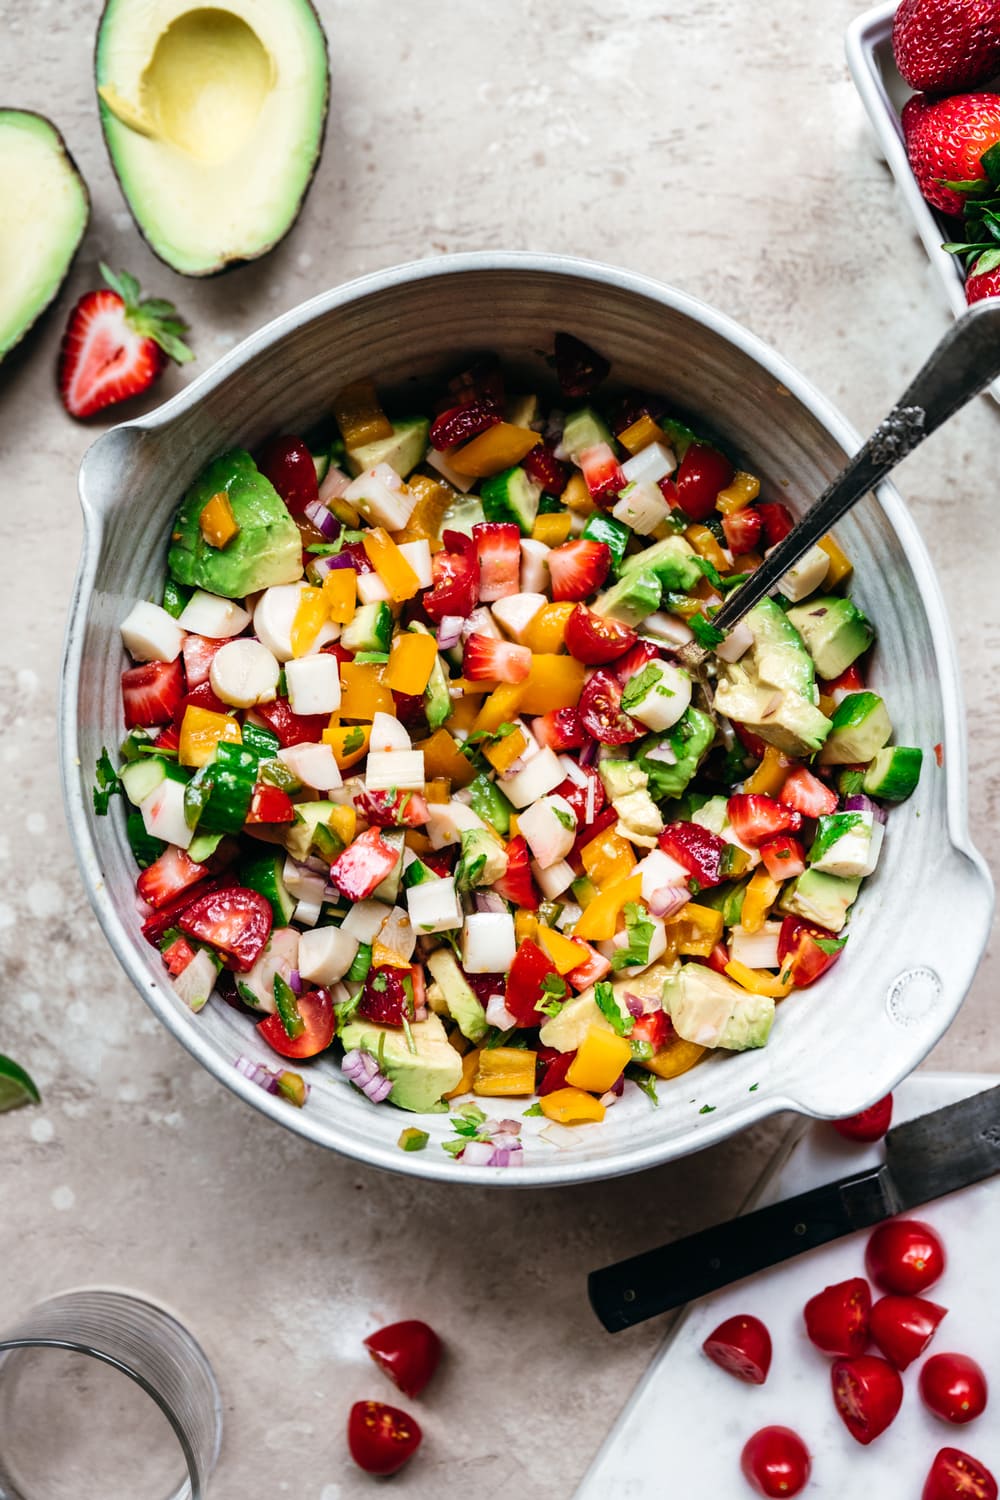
[104, 1394]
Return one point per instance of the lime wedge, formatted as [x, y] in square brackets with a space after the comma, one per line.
[16, 1088]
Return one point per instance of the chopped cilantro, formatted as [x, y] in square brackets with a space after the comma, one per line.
[344, 1009]
[709, 570]
[498, 1038]
[288, 1008]
[108, 784]
[733, 581]
[645, 1081]
[532, 1109]
[604, 998]
[639, 929]
[753, 1088]
[705, 633]
[829, 945]
[707, 1109]
[639, 686]
[566, 819]
[353, 740]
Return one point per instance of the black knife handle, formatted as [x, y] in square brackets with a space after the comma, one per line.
[633, 1290]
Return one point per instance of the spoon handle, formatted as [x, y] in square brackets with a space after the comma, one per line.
[965, 361]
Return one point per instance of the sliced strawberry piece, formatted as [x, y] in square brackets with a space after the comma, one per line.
[292, 729]
[169, 738]
[388, 997]
[363, 865]
[849, 681]
[756, 818]
[236, 922]
[487, 660]
[560, 729]
[201, 697]
[461, 422]
[151, 693]
[456, 578]
[481, 382]
[778, 521]
[594, 967]
[498, 547]
[269, 804]
[656, 1029]
[554, 1065]
[602, 472]
[178, 956]
[516, 884]
[526, 984]
[167, 876]
[158, 922]
[541, 465]
[579, 369]
[586, 800]
[743, 530]
[198, 652]
[116, 345]
[392, 808]
[806, 794]
[288, 464]
[578, 568]
[595, 640]
[784, 857]
[632, 663]
[698, 849]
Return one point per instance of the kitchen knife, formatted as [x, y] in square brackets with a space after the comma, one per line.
[925, 1158]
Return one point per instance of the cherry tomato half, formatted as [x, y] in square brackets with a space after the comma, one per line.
[775, 1461]
[837, 1318]
[955, 1475]
[742, 1346]
[902, 1327]
[381, 1438]
[704, 471]
[602, 713]
[316, 1010]
[408, 1352]
[904, 1256]
[867, 1393]
[870, 1125]
[953, 1387]
[811, 949]
[594, 640]
[288, 464]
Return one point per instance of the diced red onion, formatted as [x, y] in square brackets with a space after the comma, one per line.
[340, 560]
[295, 981]
[318, 567]
[618, 1087]
[358, 1065]
[641, 1005]
[498, 1015]
[313, 862]
[668, 899]
[573, 772]
[490, 901]
[335, 482]
[478, 1154]
[512, 1127]
[324, 520]
[508, 1157]
[664, 752]
[589, 753]
[608, 1099]
[258, 1074]
[378, 1089]
[505, 1141]
[590, 810]
[862, 804]
[449, 632]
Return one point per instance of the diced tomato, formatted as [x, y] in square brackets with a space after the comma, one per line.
[151, 693]
[292, 729]
[579, 369]
[456, 578]
[201, 697]
[578, 568]
[756, 818]
[656, 1029]
[178, 956]
[632, 663]
[811, 950]
[554, 1065]
[392, 808]
[778, 521]
[237, 922]
[269, 804]
[498, 548]
[586, 801]
[561, 729]
[526, 984]
[602, 473]
[806, 794]
[595, 640]
[461, 422]
[541, 465]
[718, 959]
[742, 529]
[703, 472]
[594, 967]
[752, 743]
[602, 713]
[288, 464]
[363, 865]
[516, 884]
[784, 858]
[487, 660]
[316, 1009]
[167, 876]
[388, 997]
[698, 849]
[199, 651]
[158, 922]
[849, 681]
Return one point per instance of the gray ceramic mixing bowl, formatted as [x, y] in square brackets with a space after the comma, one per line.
[920, 926]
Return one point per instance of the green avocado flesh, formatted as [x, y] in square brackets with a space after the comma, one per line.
[419, 1078]
[268, 548]
[45, 212]
[214, 122]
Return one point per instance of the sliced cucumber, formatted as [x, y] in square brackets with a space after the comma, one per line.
[614, 534]
[584, 429]
[218, 797]
[490, 804]
[144, 847]
[893, 773]
[861, 726]
[140, 777]
[511, 496]
[175, 597]
[371, 628]
[263, 742]
[263, 873]
[388, 889]
[437, 693]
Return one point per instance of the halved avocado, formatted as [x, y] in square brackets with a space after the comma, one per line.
[45, 211]
[214, 122]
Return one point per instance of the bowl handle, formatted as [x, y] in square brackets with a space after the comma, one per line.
[106, 466]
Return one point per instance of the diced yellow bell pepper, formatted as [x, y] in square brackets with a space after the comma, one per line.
[676, 1058]
[759, 981]
[464, 711]
[525, 927]
[501, 706]
[433, 499]
[761, 894]
[694, 931]
[706, 546]
[411, 661]
[359, 415]
[345, 512]
[515, 827]
[745, 562]
[600, 917]
[571, 1107]
[686, 605]
[608, 858]
[505, 1071]
[566, 954]
[418, 842]
[201, 731]
[552, 682]
[217, 523]
[343, 821]
[502, 753]
[384, 957]
[438, 790]
[641, 433]
[310, 617]
[496, 449]
[469, 686]
[600, 1061]
[827, 705]
[364, 692]
[772, 773]
[576, 496]
[349, 741]
[841, 566]
[552, 529]
[390, 564]
[546, 632]
[740, 492]
[442, 758]
[340, 590]
[470, 1066]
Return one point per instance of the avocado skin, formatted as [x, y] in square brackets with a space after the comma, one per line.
[268, 549]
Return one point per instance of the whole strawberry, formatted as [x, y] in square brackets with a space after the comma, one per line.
[984, 283]
[944, 45]
[945, 139]
[116, 345]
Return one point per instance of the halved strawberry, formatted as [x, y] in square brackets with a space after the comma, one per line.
[198, 652]
[756, 818]
[498, 547]
[541, 465]
[157, 923]
[388, 998]
[363, 865]
[487, 660]
[236, 921]
[578, 568]
[632, 663]
[152, 693]
[167, 876]
[807, 794]
[601, 472]
[116, 345]
[516, 884]
[560, 729]
[783, 857]
[392, 808]
[461, 422]
[743, 530]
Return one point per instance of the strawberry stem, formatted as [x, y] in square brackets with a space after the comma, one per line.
[152, 317]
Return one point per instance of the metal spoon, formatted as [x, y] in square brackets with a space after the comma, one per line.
[965, 361]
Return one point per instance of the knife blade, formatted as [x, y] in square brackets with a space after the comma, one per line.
[926, 1158]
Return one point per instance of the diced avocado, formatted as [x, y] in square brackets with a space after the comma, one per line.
[388, 889]
[402, 452]
[780, 657]
[782, 718]
[583, 429]
[621, 777]
[419, 1078]
[566, 1030]
[893, 773]
[300, 837]
[821, 898]
[482, 860]
[511, 496]
[213, 121]
[371, 628]
[490, 804]
[631, 599]
[638, 813]
[601, 527]
[439, 705]
[673, 561]
[463, 1004]
[688, 741]
[464, 512]
[835, 632]
[263, 873]
[710, 1010]
[861, 726]
[267, 549]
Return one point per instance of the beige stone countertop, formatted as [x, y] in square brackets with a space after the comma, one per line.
[718, 146]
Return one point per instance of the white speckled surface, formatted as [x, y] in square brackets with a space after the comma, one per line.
[719, 146]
